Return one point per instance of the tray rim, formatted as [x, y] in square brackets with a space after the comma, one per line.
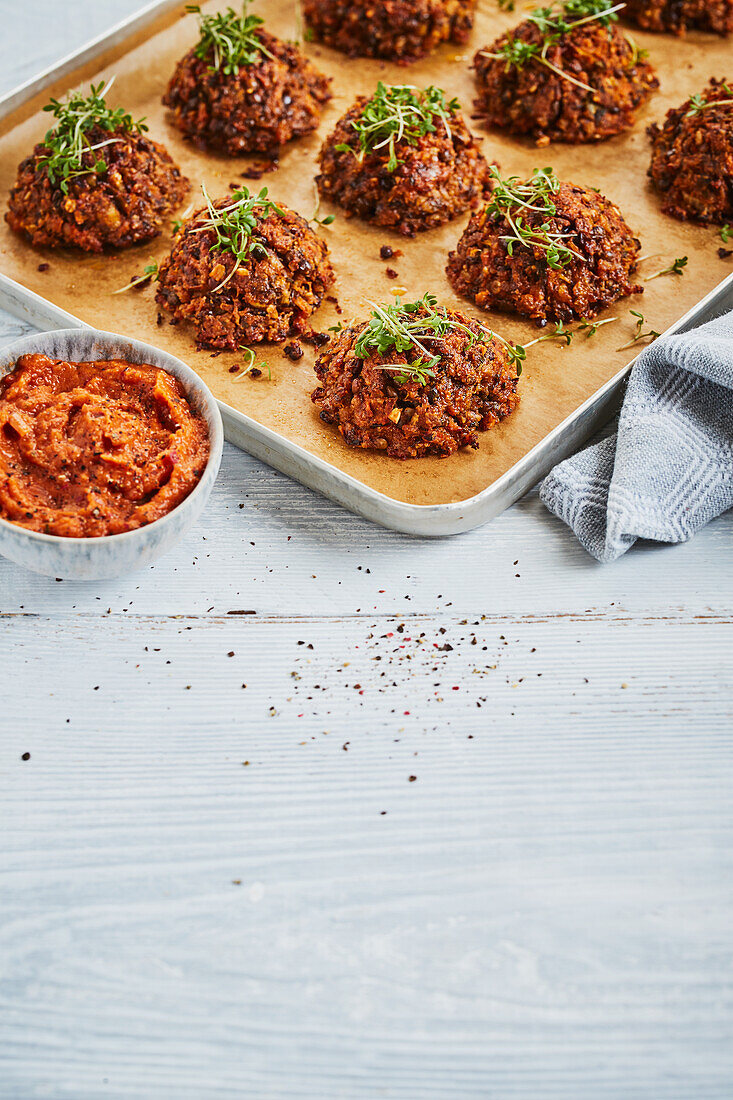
[427, 520]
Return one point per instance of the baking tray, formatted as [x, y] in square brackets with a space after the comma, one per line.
[568, 393]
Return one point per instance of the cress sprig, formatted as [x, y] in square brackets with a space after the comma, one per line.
[67, 145]
[677, 267]
[397, 114]
[698, 103]
[235, 224]
[553, 23]
[639, 333]
[514, 199]
[403, 327]
[229, 39]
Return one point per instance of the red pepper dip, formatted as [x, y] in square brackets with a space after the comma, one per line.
[90, 449]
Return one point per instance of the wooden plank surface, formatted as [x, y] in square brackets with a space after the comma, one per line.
[212, 890]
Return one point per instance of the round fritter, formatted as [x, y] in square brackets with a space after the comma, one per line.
[599, 271]
[267, 296]
[438, 177]
[678, 16]
[602, 79]
[397, 30]
[125, 203]
[257, 108]
[692, 156]
[471, 388]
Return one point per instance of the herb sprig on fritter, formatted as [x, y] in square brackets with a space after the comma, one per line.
[67, 145]
[399, 113]
[230, 40]
[553, 24]
[235, 225]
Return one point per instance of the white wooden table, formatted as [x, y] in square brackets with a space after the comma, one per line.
[314, 810]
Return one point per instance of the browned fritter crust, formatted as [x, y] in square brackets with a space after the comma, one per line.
[692, 159]
[474, 387]
[537, 102]
[482, 270]
[113, 209]
[269, 298]
[397, 30]
[258, 109]
[678, 16]
[440, 177]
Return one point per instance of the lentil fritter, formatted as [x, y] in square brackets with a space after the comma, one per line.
[570, 76]
[563, 256]
[252, 96]
[409, 397]
[95, 181]
[692, 156]
[244, 270]
[678, 16]
[403, 159]
[396, 30]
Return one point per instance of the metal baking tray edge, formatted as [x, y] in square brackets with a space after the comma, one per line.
[431, 520]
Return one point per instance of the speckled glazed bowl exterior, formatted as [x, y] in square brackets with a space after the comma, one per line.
[111, 555]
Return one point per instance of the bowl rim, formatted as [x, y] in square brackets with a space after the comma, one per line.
[190, 380]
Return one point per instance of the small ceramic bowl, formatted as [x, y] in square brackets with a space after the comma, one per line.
[111, 555]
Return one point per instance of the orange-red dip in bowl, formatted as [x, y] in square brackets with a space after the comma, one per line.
[90, 449]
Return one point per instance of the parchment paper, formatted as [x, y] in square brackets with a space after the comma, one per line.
[556, 380]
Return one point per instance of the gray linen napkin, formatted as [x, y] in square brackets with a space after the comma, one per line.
[669, 468]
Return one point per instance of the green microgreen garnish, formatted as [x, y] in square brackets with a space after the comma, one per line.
[412, 371]
[552, 23]
[637, 53]
[513, 199]
[590, 328]
[251, 357]
[67, 145]
[639, 334]
[506, 5]
[404, 327]
[559, 332]
[407, 327]
[150, 273]
[698, 103]
[398, 113]
[229, 39]
[328, 220]
[178, 223]
[235, 225]
[676, 268]
[566, 335]
[726, 233]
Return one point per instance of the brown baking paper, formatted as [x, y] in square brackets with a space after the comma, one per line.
[556, 379]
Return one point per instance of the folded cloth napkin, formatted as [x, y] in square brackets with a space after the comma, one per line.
[669, 468]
